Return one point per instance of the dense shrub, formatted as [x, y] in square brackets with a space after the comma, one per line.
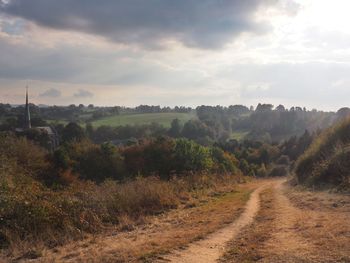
[190, 156]
[73, 132]
[278, 171]
[91, 161]
[223, 161]
[283, 160]
[31, 157]
[166, 156]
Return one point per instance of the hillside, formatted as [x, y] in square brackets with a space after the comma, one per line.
[326, 162]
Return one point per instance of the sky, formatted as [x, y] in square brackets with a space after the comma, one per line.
[183, 52]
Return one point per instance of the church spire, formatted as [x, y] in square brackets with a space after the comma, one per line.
[27, 124]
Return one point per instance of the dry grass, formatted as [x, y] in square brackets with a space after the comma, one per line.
[195, 218]
[312, 227]
[52, 219]
[324, 223]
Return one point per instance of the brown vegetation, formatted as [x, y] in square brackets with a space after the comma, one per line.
[42, 206]
[200, 211]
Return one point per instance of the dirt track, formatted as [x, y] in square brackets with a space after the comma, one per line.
[282, 231]
[295, 226]
[211, 248]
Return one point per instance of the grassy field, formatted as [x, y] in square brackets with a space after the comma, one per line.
[238, 135]
[164, 119]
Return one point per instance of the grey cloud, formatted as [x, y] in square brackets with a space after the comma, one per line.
[27, 62]
[61, 64]
[86, 66]
[53, 93]
[307, 83]
[205, 23]
[83, 94]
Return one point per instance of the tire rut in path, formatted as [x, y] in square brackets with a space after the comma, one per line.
[212, 247]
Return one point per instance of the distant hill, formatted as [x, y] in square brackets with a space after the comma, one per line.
[327, 161]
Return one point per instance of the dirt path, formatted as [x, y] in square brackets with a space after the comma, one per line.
[212, 247]
[295, 226]
[286, 239]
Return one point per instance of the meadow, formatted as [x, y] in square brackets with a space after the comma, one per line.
[163, 119]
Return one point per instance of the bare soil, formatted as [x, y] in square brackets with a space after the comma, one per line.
[212, 247]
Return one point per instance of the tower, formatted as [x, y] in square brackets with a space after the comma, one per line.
[27, 124]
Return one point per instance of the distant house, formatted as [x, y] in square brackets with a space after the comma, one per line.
[51, 135]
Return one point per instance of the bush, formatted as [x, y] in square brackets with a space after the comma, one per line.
[278, 171]
[165, 156]
[190, 156]
[31, 157]
[91, 161]
[224, 162]
[283, 160]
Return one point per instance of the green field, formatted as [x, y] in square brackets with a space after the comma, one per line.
[163, 119]
[239, 135]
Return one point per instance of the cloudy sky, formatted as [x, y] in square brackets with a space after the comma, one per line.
[183, 52]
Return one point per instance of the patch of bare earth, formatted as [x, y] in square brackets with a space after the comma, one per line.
[212, 246]
[159, 234]
[295, 226]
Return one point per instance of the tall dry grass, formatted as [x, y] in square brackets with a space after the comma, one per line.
[31, 213]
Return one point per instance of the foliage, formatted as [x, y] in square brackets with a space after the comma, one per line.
[326, 160]
[165, 156]
[175, 128]
[32, 158]
[190, 156]
[73, 132]
[279, 171]
[90, 161]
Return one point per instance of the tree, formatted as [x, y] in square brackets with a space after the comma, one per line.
[175, 129]
[190, 156]
[280, 108]
[343, 113]
[89, 129]
[73, 132]
[195, 129]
